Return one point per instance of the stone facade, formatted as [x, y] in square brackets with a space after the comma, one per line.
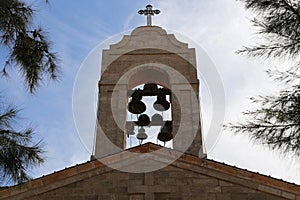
[187, 178]
[169, 183]
[149, 54]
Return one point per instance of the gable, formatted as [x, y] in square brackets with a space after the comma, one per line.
[187, 178]
[168, 183]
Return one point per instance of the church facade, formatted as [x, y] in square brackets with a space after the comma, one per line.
[164, 69]
[188, 178]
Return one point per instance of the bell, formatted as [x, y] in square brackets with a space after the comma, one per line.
[161, 104]
[136, 96]
[136, 106]
[150, 86]
[141, 135]
[130, 130]
[143, 120]
[157, 119]
[165, 134]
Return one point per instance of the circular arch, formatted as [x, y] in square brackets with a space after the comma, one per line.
[148, 75]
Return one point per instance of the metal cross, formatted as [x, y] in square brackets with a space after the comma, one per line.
[148, 11]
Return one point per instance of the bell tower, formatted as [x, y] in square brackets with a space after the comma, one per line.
[166, 69]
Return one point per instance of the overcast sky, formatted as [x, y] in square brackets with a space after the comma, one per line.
[219, 27]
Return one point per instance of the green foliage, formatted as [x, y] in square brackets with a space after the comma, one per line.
[276, 121]
[17, 153]
[278, 22]
[29, 49]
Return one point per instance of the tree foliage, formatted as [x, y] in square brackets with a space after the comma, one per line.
[29, 51]
[276, 121]
[28, 47]
[17, 152]
[278, 22]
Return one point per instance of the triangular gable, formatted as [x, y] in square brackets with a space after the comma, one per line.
[219, 176]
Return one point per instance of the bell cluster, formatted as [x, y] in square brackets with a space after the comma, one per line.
[138, 107]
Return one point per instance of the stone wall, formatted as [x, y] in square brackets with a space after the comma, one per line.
[171, 64]
[169, 183]
[189, 177]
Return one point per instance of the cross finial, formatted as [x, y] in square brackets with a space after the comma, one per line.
[148, 11]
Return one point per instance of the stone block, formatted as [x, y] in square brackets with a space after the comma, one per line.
[257, 196]
[161, 196]
[223, 197]
[231, 189]
[213, 189]
[239, 196]
[269, 190]
[73, 197]
[288, 195]
[176, 181]
[135, 176]
[205, 182]
[271, 197]
[92, 197]
[131, 182]
[224, 183]
[137, 197]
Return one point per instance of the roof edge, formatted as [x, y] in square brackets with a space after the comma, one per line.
[265, 183]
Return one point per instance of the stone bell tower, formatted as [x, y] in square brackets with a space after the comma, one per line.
[166, 67]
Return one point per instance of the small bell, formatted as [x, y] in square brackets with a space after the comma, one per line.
[161, 104]
[130, 130]
[143, 120]
[157, 119]
[165, 134]
[141, 135]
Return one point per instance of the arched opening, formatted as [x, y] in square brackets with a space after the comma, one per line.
[149, 115]
[149, 75]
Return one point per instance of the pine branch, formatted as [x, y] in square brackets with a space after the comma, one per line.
[291, 8]
[278, 21]
[17, 151]
[29, 49]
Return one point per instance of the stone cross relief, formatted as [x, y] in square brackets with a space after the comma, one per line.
[148, 189]
[149, 12]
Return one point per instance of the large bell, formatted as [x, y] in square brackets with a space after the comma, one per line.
[141, 135]
[150, 86]
[136, 106]
[143, 120]
[161, 104]
[165, 134]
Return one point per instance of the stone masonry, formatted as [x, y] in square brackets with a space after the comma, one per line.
[187, 178]
[149, 54]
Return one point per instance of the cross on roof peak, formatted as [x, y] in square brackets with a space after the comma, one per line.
[148, 11]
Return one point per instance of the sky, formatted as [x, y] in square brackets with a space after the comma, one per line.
[77, 29]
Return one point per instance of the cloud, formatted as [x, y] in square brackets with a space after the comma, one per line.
[221, 28]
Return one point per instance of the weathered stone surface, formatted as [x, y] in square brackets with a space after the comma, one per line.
[187, 178]
[149, 54]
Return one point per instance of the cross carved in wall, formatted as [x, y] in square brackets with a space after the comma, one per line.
[148, 189]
